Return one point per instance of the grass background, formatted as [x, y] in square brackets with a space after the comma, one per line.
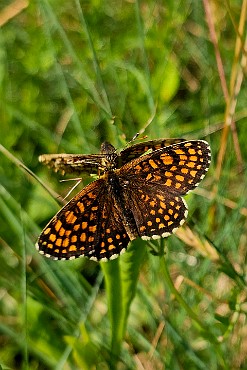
[74, 74]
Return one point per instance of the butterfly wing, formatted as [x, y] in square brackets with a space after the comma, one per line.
[136, 150]
[89, 225]
[72, 163]
[177, 168]
[156, 213]
[155, 182]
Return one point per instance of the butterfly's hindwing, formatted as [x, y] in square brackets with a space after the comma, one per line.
[86, 226]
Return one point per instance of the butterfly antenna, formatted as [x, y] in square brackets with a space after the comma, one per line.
[143, 129]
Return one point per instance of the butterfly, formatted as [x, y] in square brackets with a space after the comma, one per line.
[138, 193]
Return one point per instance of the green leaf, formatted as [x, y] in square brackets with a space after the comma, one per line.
[121, 276]
[83, 349]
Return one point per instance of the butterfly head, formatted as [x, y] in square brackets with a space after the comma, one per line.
[109, 156]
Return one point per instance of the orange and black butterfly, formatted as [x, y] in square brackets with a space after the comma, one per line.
[138, 194]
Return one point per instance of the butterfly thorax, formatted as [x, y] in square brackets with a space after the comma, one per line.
[117, 188]
[119, 195]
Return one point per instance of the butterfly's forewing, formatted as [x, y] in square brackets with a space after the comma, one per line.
[177, 168]
[136, 150]
[73, 163]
